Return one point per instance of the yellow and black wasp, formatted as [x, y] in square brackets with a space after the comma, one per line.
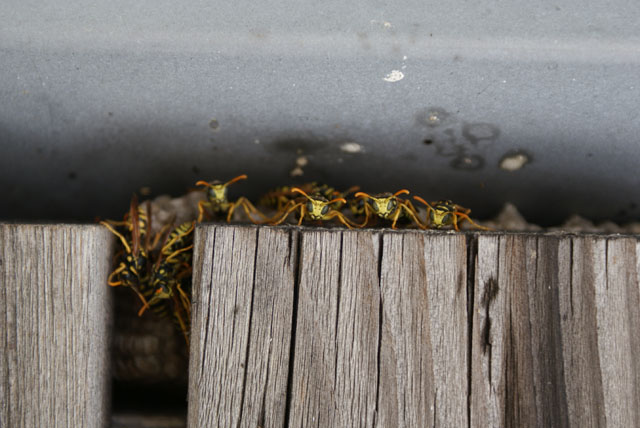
[218, 203]
[133, 267]
[389, 207]
[279, 197]
[316, 207]
[445, 213]
[170, 280]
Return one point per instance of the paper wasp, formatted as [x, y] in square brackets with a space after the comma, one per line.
[133, 269]
[279, 197]
[388, 206]
[218, 203]
[445, 213]
[316, 207]
[170, 281]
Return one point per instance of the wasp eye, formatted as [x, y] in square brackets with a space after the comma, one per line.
[309, 207]
[374, 205]
[447, 219]
[391, 205]
[432, 216]
[325, 210]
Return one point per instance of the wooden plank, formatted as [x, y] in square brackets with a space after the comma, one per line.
[314, 364]
[336, 346]
[265, 391]
[55, 314]
[618, 318]
[379, 328]
[583, 267]
[223, 283]
[517, 347]
[554, 340]
[423, 353]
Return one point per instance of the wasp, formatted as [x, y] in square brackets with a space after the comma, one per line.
[218, 202]
[279, 197]
[170, 281]
[388, 206]
[445, 213]
[315, 207]
[133, 269]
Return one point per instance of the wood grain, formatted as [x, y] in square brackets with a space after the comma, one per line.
[316, 327]
[555, 332]
[55, 316]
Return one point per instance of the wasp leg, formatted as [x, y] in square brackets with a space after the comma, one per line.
[178, 315]
[175, 253]
[201, 210]
[115, 272]
[286, 214]
[118, 234]
[248, 207]
[303, 213]
[367, 213]
[140, 295]
[429, 209]
[177, 237]
[341, 217]
[408, 205]
[466, 217]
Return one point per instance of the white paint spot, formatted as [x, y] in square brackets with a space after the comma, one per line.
[256, 141]
[404, 58]
[386, 24]
[302, 161]
[351, 147]
[514, 162]
[394, 76]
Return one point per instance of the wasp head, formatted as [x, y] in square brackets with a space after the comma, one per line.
[217, 190]
[382, 204]
[317, 206]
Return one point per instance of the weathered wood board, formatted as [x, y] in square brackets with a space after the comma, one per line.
[55, 318]
[312, 327]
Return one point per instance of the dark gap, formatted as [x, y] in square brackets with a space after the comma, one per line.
[606, 264]
[294, 322]
[335, 367]
[246, 357]
[206, 324]
[166, 398]
[435, 407]
[427, 141]
[380, 246]
[571, 275]
[472, 254]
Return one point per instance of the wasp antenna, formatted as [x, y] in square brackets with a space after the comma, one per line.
[400, 192]
[361, 195]
[238, 178]
[203, 183]
[418, 198]
[343, 200]
[298, 190]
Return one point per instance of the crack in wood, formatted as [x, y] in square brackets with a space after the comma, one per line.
[248, 349]
[294, 323]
